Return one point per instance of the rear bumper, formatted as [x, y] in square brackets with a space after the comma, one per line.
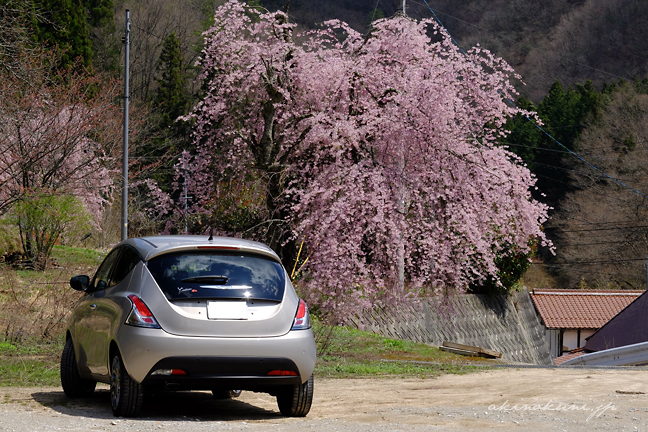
[217, 360]
[207, 373]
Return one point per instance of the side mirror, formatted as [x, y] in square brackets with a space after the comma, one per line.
[80, 283]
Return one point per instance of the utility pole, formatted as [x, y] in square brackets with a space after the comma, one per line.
[124, 217]
[186, 197]
[404, 13]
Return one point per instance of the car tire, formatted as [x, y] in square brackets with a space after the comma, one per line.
[296, 401]
[126, 395]
[73, 385]
[225, 394]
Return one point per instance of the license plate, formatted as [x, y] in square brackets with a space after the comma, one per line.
[227, 310]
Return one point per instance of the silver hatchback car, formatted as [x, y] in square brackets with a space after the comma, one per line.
[189, 313]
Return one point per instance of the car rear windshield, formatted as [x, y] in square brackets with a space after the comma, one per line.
[218, 275]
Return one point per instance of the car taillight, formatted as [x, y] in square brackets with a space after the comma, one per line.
[302, 319]
[279, 372]
[141, 315]
[169, 372]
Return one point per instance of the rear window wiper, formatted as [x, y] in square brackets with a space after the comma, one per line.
[216, 279]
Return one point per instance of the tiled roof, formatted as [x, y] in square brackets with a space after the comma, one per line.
[585, 309]
[570, 355]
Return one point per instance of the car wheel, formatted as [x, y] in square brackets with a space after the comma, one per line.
[296, 400]
[73, 385]
[126, 396]
[226, 394]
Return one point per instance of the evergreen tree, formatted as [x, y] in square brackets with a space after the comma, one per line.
[170, 101]
[166, 136]
[563, 114]
[100, 12]
[106, 41]
[65, 27]
[68, 24]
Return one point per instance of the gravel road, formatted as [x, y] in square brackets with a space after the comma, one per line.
[494, 400]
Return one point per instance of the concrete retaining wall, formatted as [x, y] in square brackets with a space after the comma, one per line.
[508, 324]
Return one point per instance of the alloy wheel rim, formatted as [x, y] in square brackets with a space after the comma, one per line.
[115, 382]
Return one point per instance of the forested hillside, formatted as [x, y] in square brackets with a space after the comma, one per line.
[544, 40]
[583, 67]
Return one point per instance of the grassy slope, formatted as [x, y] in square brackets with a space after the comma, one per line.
[354, 353]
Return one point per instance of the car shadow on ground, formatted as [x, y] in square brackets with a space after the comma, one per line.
[159, 406]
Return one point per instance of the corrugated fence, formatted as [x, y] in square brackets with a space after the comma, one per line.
[508, 324]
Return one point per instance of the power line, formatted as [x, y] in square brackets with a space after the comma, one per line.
[373, 15]
[607, 147]
[532, 147]
[578, 156]
[596, 229]
[589, 262]
[571, 170]
[606, 223]
[574, 171]
[538, 126]
[611, 242]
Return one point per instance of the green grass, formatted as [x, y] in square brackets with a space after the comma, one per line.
[30, 363]
[26, 372]
[349, 353]
[68, 256]
[7, 348]
[69, 261]
[33, 347]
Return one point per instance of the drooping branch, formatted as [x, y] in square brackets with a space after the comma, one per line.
[366, 149]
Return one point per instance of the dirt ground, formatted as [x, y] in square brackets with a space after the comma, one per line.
[495, 400]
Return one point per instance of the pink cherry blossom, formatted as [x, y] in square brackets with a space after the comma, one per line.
[58, 133]
[378, 151]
